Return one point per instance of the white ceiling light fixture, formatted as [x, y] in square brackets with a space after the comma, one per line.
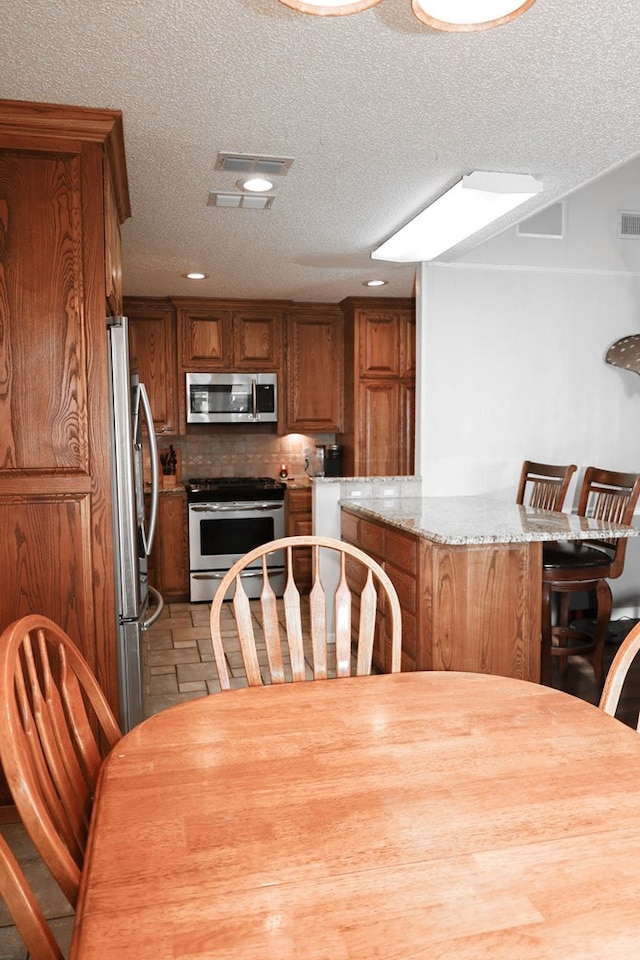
[329, 8]
[471, 204]
[196, 275]
[375, 283]
[451, 15]
[466, 15]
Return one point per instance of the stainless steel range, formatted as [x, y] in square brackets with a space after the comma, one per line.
[228, 516]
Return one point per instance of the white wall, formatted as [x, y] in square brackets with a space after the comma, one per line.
[512, 367]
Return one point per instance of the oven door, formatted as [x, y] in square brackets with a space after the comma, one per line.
[221, 533]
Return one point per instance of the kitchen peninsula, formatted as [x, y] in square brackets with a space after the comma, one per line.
[468, 571]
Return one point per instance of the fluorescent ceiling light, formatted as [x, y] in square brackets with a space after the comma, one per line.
[458, 15]
[471, 204]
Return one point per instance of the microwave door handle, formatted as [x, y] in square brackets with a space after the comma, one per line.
[254, 398]
[148, 535]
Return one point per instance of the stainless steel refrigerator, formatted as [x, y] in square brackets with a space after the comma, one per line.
[138, 604]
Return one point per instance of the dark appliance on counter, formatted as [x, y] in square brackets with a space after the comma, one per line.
[138, 604]
[333, 460]
[232, 397]
[228, 516]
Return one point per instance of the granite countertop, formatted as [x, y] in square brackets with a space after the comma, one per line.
[467, 520]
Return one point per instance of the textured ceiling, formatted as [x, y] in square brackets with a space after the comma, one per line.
[380, 114]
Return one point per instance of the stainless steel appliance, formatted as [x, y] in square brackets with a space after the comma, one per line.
[133, 533]
[232, 397]
[228, 516]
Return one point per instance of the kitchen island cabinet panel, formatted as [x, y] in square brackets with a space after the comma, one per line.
[476, 615]
[472, 607]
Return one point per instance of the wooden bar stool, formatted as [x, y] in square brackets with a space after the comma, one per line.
[586, 565]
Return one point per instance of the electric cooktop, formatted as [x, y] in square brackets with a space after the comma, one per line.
[215, 489]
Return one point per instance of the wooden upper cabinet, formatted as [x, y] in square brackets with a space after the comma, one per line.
[257, 338]
[314, 369]
[380, 363]
[387, 347]
[205, 337]
[152, 346]
[229, 335]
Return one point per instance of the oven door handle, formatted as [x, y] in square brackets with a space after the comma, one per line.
[236, 507]
[245, 575]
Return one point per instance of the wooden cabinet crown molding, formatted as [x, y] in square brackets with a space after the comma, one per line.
[19, 118]
[225, 303]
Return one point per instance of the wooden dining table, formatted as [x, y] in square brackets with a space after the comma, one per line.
[414, 815]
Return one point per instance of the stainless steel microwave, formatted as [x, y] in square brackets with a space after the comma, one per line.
[232, 397]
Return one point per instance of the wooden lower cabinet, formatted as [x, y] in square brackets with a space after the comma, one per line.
[298, 522]
[398, 555]
[474, 607]
[169, 561]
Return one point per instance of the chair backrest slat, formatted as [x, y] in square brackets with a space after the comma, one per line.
[343, 623]
[271, 630]
[318, 620]
[293, 622]
[367, 619]
[242, 611]
[364, 605]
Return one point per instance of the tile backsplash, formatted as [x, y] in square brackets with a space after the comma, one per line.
[244, 453]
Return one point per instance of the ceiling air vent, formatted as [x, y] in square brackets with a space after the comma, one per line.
[253, 163]
[629, 224]
[244, 200]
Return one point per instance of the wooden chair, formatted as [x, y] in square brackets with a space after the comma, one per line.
[586, 565]
[544, 485]
[618, 671]
[364, 591]
[56, 726]
[25, 909]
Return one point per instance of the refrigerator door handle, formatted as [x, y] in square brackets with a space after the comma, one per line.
[149, 535]
[157, 610]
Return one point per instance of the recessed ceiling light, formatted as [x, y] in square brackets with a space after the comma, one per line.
[375, 283]
[255, 184]
[195, 275]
